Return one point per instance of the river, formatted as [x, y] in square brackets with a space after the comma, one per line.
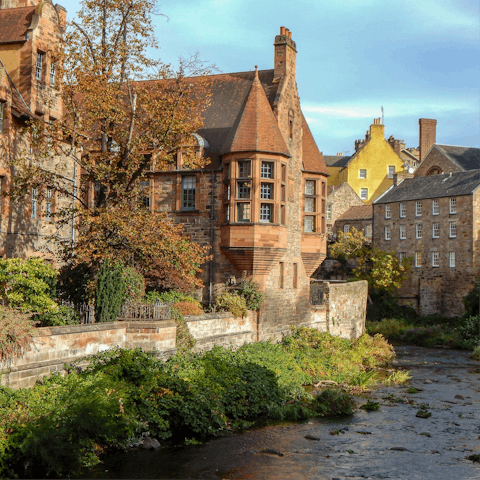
[390, 443]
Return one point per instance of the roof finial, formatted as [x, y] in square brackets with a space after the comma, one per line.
[256, 71]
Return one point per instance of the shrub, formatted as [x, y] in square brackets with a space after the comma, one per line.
[188, 308]
[63, 316]
[16, 329]
[476, 353]
[333, 402]
[231, 302]
[134, 284]
[250, 290]
[110, 292]
[468, 332]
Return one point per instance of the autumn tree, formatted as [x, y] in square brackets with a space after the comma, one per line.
[383, 270]
[125, 114]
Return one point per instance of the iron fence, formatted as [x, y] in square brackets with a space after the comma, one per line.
[143, 311]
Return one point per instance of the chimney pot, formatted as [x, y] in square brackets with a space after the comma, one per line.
[282, 30]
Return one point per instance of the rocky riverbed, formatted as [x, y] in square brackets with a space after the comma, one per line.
[428, 430]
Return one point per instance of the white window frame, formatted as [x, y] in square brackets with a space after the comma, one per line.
[388, 211]
[435, 259]
[403, 210]
[309, 223]
[418, 208]
[402, 229]
[391, 171]
[402, 256]
[452, 230]
[435, 207]
[368, 231]
[189, 189]
[34, 204]
[451, 260]
[435, 230]
[362, 173]
[364, 193]
[346, 228]
[418, 230]
[53, 73]
[48, 203]
[452, 205]
[39, 66]
[388, 232]
[328, 212]
[418, 259]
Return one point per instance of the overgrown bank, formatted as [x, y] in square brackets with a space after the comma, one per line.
[65, 423]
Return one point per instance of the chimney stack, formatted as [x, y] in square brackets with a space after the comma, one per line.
[285, 54]
[427, 135]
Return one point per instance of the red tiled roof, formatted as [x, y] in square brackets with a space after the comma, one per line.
[312, 158]
[360, 212]
[256, 127]
[14, 23]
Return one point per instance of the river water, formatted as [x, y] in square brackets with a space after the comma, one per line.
[390, 443]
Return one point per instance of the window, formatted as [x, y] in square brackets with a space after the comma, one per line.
[388, 211]
[452, 230]
[34, 210]
[284, 173]
[281, 277]
[266, 191]
[2, 116]
[364, 193]
[453, 205]
[368, 231]
[188, 193]
[145, 186]
[435, 230]
[388, 233]
[39, 66]
[243, 212]
[435, 259]
[309, 223]
[418, 208]
[346, 228]
[266, 213]
[309, 204]
[418, 230]
[418, 259]
[227, 193]
[282, 215]
[244, 189]
[244, 170]
[403, 232]
[283, 193]
[451, 259]
[267, 170]
[391, 171]
[329, 212]
[403, 210]
[402, 256]
[48, 203]
[52, 73]
[435, 207]
[295, 275]
[309, 187]
[362, 173]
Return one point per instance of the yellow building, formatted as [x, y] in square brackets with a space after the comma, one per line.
[370, 170]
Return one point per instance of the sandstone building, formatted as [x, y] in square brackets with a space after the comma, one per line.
[260, 204]
[435, 220]
[29, 88]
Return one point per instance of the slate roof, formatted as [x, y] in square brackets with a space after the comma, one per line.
[432, 186]
[336, 160]
[468, 158]
[255, 128]
[14, 23]
[359, 212]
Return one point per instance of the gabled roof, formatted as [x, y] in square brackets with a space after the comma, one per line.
[14, 24]
[467, 158]
[360, 212]
[432, 186]
[336, 160]
[312, 158]
[256, 128]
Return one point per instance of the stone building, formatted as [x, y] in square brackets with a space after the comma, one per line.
[435, 220]
[260, 204]
[370, 170]
[358, 217]
[29, 88]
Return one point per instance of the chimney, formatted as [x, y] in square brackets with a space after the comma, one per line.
[427, 135]
[285, 59]
[339, 154]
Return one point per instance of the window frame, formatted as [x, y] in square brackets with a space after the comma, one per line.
[328, 211]
[368, 231]
[435, 207]
[39, 63]
[452, 230]
[313, 229]
[452, 205]
[269, 216]
[418, 259]
[418, 230]
[435, 259]
[403, 210]
[364, 194]
[346, 228]
[187, 195]
[388, 232]
[269, 171]
[390, 171]
[243, 205]
[34, 203]
[402, 229]
[388, 211]
[418, 208]
[435, 230]
[362, 173]
[451, 256]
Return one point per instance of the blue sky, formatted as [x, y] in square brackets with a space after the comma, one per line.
[416, 58]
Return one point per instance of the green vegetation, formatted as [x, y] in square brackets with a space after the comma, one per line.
[370, 406]
[61, 425]
[110, 291]
[231, 302]
[16, 330]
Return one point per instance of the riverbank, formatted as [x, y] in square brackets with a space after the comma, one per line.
[392, 442]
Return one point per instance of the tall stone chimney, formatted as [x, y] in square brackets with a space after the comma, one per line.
[427, 135]
[285, 61]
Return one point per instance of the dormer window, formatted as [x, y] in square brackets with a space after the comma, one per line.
[39, 66]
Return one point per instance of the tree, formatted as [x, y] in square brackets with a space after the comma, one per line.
[124, 114]
[383, 270]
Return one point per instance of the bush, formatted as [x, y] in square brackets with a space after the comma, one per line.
[188, 308]
[334, 402]
[110, 292]
[231, 302]
[16, 329]
[250, 290]
[63, 316]
[469, 333]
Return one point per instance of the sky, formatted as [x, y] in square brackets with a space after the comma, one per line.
[416, 58]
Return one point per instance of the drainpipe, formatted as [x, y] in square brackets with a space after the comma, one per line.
[212, 236]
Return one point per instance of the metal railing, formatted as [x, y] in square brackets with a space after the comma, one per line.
[144, 311]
